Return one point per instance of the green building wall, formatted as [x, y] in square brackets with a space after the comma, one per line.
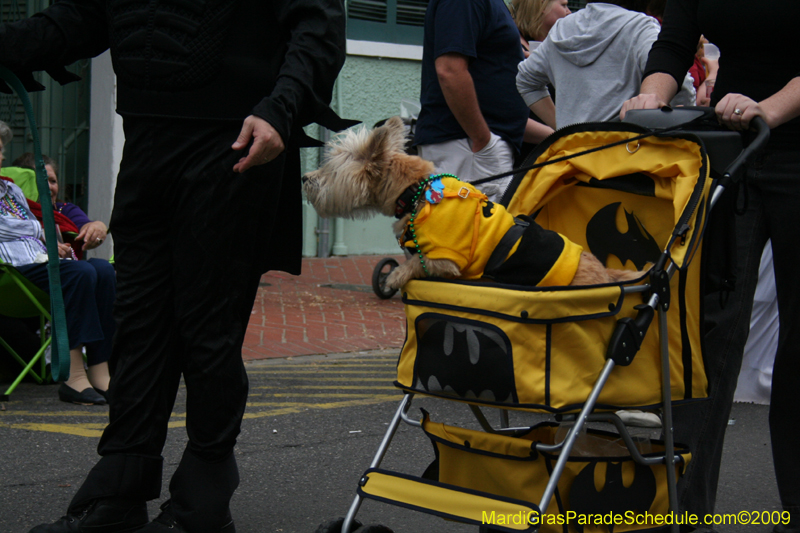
[368, 89]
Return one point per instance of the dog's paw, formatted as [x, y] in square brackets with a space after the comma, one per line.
[408, 270]
[396, 279]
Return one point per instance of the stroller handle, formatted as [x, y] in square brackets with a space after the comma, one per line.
[734, 170]
[688, 118]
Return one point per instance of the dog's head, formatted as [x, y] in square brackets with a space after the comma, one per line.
[364, 172]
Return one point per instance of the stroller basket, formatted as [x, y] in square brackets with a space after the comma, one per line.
[512, 467]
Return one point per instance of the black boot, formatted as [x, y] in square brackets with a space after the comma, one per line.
[166, 523]
[110, 515]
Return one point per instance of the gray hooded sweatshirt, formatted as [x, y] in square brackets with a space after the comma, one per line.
[595, 58]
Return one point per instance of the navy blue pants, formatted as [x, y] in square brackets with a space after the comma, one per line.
[89, 289]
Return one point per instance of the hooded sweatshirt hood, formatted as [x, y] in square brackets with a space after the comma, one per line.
[577, 39]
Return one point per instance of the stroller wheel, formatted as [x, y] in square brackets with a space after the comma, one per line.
[335, 526]
[373, 528]
[379, 275]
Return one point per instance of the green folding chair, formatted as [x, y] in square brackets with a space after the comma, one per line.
[53, 308]
[19, 298]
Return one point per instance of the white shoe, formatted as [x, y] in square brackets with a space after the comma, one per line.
[640, 419]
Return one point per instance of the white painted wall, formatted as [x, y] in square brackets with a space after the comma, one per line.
[105, 146]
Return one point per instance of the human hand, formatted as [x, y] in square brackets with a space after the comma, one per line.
[704, 93]
[267, 143]
[643, 101]
[64, 250]
[92, 234]
[480, 143]
[737, 110]
[526, 50]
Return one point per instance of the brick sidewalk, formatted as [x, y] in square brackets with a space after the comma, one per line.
[299, 315]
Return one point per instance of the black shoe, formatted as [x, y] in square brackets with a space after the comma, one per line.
[166, 522]
[87, 396]
[791, 527]
[108, 515]
[103, 393]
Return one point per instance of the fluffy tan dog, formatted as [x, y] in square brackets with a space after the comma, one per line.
[450, 227]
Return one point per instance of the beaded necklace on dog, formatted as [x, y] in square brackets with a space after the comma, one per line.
[423, 185]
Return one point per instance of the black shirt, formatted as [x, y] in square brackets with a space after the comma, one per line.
[758, 44]
[218, 59]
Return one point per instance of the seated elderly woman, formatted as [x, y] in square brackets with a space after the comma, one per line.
[89, 288]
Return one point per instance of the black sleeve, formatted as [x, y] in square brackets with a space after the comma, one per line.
[66, 31]
[673, 52]
[315, 53]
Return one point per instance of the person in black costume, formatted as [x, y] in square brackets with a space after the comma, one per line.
[749, 84]
[213, 96]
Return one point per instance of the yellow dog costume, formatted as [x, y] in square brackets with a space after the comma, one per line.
[441, 229]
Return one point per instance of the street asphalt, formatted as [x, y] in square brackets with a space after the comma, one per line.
[312, 426]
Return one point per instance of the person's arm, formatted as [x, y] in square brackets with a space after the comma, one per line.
[532, 80]
[314, 54]
[66, 31]
[452, 70]
[536, 132]
[775, 110]
[91, 232]
[545, 109]
[657, 89]
[669, 58]
[707, 87]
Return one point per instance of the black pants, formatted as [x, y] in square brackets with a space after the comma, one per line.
[772, 213]
[186, 233]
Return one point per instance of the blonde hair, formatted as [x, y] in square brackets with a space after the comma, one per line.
[529, 15]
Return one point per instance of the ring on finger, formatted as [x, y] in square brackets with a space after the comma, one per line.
[738, 111]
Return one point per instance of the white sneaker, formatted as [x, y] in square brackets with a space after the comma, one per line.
[640, 419]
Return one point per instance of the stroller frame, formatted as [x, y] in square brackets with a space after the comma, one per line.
[621, 351]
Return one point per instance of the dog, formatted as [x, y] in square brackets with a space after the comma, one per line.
[451, 229]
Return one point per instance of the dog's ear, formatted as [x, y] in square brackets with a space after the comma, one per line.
[396, 132]
[384, 141]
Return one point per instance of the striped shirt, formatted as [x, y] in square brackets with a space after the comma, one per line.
[20, 239]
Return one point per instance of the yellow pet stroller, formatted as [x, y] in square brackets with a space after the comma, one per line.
[635, 194]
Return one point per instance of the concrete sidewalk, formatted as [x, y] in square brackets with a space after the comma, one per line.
[329, 308]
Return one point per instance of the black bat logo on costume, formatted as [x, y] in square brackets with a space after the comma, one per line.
[615, 497]
[467, 360]
[604, 239]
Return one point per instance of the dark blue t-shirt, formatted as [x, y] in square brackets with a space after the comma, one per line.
[484, 31]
